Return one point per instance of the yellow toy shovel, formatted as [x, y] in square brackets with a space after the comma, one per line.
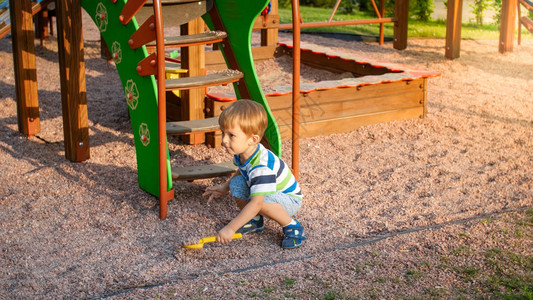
[209, 239]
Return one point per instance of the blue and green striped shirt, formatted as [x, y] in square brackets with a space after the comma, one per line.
[266, 174]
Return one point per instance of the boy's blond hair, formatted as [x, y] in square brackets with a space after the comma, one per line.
[249, 115]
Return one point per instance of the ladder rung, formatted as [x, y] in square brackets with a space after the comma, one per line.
[172, 66]
[219, 78]
[193, 39]
[4, 15]
[173, 11]
[528, 23]
[202, 172]
[184, 127]
[4, 29]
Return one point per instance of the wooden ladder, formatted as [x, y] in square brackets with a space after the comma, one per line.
[152, 13]
[524, 20]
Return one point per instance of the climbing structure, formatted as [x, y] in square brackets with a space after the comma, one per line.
[231, 22]
[524, 20]
[37, 6]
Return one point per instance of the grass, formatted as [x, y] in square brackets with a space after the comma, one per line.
[502, 271]
[432, 28]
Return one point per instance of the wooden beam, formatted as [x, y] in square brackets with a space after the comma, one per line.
[340, 110]
[342, 125]
[214, 60]
[25, 66]
[507, 25]
[72, 77]
[528, 23]
[401, 15]
[41, 27]
[269, 37]
[453, 29]
[192, 101]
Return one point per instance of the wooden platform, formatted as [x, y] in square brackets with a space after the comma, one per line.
[192, 126]
[203, 172]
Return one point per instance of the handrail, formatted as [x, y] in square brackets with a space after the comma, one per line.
[296, 88]
[340, 23]
[161, 109]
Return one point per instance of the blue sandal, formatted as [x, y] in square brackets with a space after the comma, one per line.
[255, 225]
[294, 236]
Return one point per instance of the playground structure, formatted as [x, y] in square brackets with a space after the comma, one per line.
[146, 95]
[127, 41]
[453, 26]
[524, 20]
[39, 8]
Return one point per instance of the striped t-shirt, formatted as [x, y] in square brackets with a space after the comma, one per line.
[266, 174]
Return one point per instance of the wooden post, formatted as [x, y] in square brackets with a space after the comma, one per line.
[25, 66]
[453, 29]
[519, 15]
[42, 25]
[382, 25]
[269, 36]
[507, 25]
[193, 59]
[401, 13]
[72, 74]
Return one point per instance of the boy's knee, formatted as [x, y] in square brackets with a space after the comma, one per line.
[238, 188]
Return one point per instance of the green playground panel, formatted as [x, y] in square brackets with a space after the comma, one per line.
[238, 17]
[140, 92]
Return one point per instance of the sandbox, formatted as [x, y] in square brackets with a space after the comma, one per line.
[375, 92]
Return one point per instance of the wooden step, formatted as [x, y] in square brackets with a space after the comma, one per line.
[145, 35]
[5, 26]
[173, 11]
[528, 23]
[4, 29]
[172, 66]
[38, 6]
[4, 15]
[171, 2]
[203, 172]
[209, 37]
[528, 4]
[185, 127]
[219, 78]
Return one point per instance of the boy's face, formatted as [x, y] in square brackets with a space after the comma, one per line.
[237, 142]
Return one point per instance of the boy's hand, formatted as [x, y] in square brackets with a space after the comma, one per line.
[215, 191]
[225, 235]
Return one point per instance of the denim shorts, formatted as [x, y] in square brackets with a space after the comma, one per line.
[240, 189]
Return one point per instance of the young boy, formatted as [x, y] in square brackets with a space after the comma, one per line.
[263, 185]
